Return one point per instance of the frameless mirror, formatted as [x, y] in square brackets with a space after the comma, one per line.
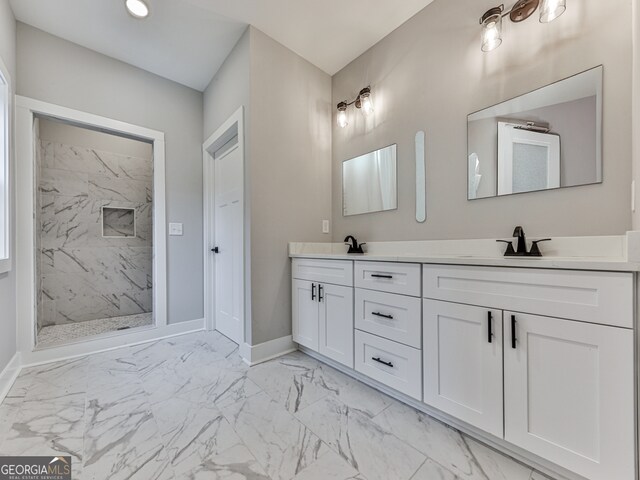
[546, 139]
[369, 182]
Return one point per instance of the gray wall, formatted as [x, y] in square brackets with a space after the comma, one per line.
[87, 271]
[429, 75]
[227, 92]
[290, 172]
[8, 280]
[287, 166]
[63, 73]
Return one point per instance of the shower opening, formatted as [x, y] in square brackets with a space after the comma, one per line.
[94, 233]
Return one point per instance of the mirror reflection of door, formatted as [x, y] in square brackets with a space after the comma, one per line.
[527, 160]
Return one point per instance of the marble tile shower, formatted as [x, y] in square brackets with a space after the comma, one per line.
[88, 269]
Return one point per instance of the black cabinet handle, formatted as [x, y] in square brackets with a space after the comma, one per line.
[490, 328]
[320, 291]
[378, 314]
[388, 364]
[377, 275]
[513, 332]
[215, 250]
[313, 291]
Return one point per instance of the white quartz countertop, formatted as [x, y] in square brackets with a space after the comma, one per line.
[589, 253]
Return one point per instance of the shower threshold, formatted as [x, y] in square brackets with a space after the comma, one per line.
[56, 335]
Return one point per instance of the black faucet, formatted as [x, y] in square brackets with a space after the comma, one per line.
[521, 249]
[353, 246]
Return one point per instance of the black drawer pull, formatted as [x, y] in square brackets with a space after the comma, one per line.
[378, 314]
[377, 275]
[513, 332]
[388, 364]
[320, 293]
[490, 332]
[313, 291]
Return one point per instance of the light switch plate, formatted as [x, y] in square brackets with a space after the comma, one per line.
[325, 226]
[175, 229]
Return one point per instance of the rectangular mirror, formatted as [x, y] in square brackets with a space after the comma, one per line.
[546, 139]
[369, 182]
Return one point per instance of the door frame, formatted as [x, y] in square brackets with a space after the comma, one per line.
[234, 125]
[26, 111]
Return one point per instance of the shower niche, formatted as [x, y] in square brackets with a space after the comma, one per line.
[118, 222]
[94, 247]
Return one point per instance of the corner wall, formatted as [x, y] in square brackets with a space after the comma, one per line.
[290, 174]
[8, 324]
[429, 74]
[60, 72]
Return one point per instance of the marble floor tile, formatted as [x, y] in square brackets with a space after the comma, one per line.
[281, 444]
[430, 470]
[236, 463]
[368, 447]
[189, 408]
[432, 438]
[297, 380]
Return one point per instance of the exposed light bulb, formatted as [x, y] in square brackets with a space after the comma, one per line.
[491, 29]
[492, 36]
[342, 115]
[366, 104]
[137, 8]
[552, 9]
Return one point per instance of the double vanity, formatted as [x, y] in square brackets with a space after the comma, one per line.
[534, 356]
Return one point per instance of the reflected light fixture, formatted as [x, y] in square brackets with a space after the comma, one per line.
[363, 102]
[491, 21]
[137, 8]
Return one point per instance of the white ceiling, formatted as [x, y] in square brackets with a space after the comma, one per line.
[187, 40]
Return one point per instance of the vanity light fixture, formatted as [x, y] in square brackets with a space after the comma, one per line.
[491, 21]
[362, 102]
[137, 8]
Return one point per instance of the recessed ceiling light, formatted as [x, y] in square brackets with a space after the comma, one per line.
[137, 8]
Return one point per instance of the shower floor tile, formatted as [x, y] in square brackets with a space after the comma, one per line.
[62, 334]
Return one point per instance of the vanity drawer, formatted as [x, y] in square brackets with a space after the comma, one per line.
[396, 317]
[402, 278]
[595, 297]
[337, 272]
[397, 366]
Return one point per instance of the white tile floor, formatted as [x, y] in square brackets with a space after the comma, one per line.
[188, 408]
[54, 335]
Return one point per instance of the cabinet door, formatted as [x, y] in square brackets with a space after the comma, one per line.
[569, 394]
[462, 364]
[305, 313]
[336, 323]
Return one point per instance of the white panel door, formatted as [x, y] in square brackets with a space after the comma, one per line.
[569, 394]
[305, 313]
[527, 160]
[336, 323]
[229, 244]
[463, 363]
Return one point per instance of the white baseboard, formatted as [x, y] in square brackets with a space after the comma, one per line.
[88, 347]
[9, 374]
[254, 354]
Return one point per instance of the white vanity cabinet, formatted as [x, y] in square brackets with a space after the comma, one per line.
[323, 312]
[568, 394]
[568, 382]
[463, 363]
[388, 324]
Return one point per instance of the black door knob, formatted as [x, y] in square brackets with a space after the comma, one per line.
[215, 250]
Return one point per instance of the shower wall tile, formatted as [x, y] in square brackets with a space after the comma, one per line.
[121, 189]
[84, 276]
[64, 182]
